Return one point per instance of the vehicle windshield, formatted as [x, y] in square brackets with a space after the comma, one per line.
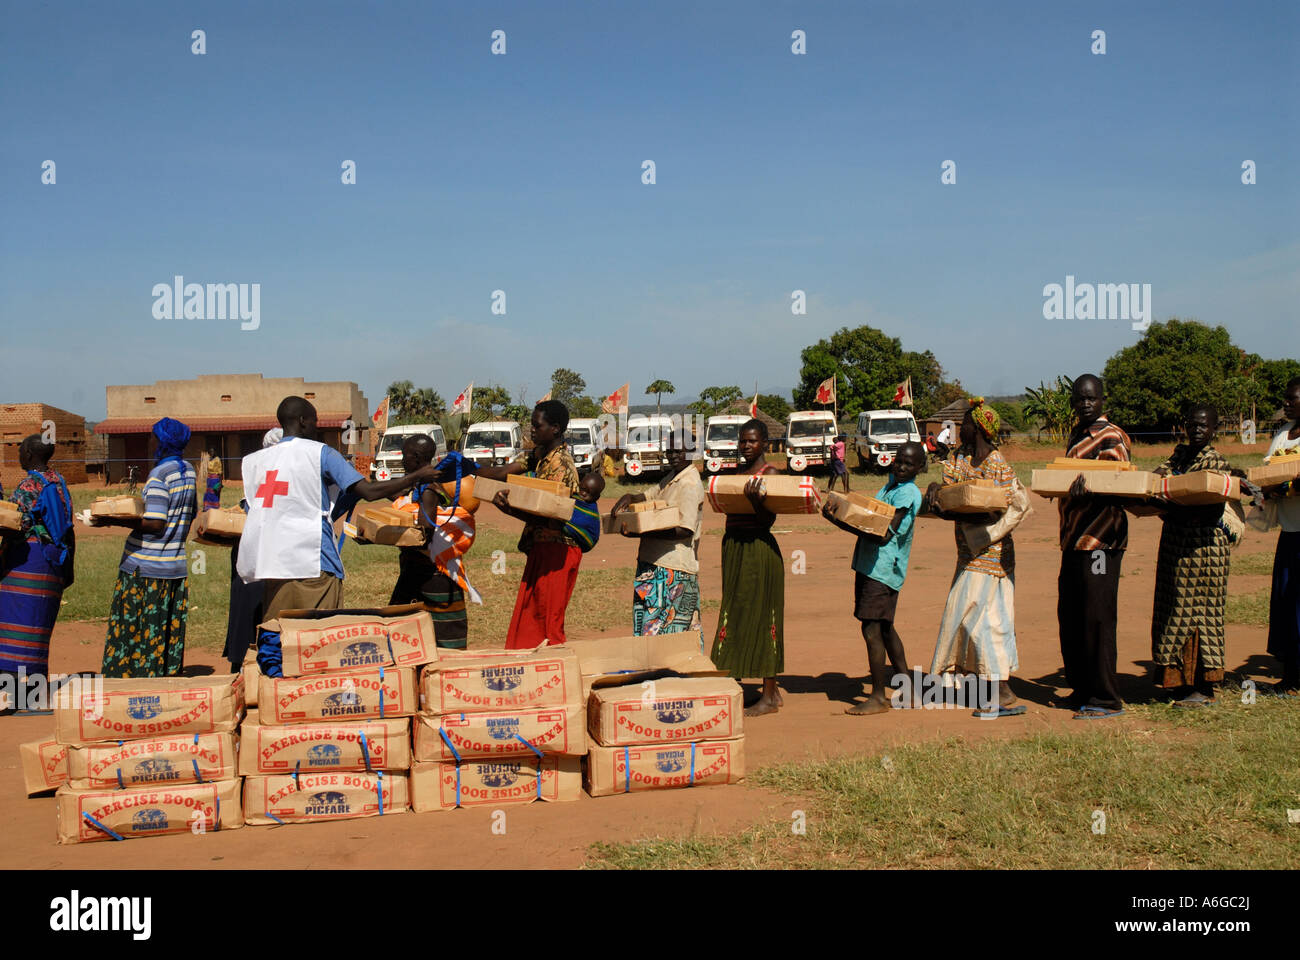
[487, 438]
[722, 431]
[892, 425]
[579, 438]
[645, 433]
[392, 442]
[811, 428]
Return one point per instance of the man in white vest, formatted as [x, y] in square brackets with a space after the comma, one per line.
[295, 490]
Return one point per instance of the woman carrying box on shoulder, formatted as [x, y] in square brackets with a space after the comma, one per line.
[1284, 602]
[977, 633]
[750, 639]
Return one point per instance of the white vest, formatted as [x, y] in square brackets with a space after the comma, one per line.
[282, 533]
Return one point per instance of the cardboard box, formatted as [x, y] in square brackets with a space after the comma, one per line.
[540, 503]
[11, 518]
[1115, 483]
[652, 516]
[548, 677]
[266, 749]
[384, 516]
[117, 507]
[553, 487]
[1199, 488]
[675, 709]
[552, 730]
[474, 783]
[623, 660]
[371, 526]
[312, 797]
[376, 694]
[974, 496]
[223, 524]
[148, 811]
[252, 675]
[132, 709]
[663, 766]
[785, 494]
[1280, 470]
[1079, 464]
[45, 765]
[161, 761]
[861, 512]
[388, 637]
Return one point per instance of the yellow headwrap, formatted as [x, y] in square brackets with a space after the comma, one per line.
[985, 417]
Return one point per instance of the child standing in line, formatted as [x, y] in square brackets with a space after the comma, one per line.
[880, 566]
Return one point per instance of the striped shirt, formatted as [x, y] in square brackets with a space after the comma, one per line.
[1095, 522]
[170, 494]
[584, 526]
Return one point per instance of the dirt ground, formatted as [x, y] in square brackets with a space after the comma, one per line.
[825, 670]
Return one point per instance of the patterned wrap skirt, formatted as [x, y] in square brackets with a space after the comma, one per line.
[146, 627]
[664, 600]
[750, 639]
[31, 588]
[1190, 602]
[977, 633]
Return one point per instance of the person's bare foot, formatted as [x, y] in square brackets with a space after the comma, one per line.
[1005, 697]
[764, 705]
[868, 707]
[780, 700]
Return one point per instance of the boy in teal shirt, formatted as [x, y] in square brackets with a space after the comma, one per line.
[880, 566]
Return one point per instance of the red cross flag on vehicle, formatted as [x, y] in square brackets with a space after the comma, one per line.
[464, 400]
[616, 402]
[753, 406]
[826, 391]
[903, 395]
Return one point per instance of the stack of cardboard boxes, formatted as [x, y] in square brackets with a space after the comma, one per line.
[659, 715]
[499, 726]
[331, 739]
[147, 757]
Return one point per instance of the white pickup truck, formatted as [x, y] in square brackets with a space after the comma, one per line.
[388, 458]
[721, 437]
[881, 433]
[643, 452]
[809, 435]
[492, 442]
[583, 441]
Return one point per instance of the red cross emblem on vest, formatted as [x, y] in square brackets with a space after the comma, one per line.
[272, 488]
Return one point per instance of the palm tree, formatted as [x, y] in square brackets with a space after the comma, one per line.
[1051, 407]
[660, 387]
[399, 398]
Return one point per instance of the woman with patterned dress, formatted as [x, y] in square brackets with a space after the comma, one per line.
[34, 570]
[977, 634]
[212, 488]
[1187, 635]
[147, 617]
[750, 640]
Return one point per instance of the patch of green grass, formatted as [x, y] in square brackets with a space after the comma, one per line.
[1252, 564]
[601, 599]
[1207, 789]
[1249, 608]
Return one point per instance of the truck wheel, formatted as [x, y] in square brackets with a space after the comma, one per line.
[798, 463]
[633, 468]
[713, 465]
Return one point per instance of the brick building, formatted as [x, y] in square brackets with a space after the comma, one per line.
[228, 413]
[19, 420]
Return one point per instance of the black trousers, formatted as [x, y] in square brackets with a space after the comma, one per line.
[244, 616]
[1087, 606]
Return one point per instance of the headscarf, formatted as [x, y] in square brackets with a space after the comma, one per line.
[172, 436]
[272, 437]
[985, 417]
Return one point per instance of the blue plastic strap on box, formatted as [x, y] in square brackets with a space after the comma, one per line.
[450, 746]
[365, 751]
[275, 818]
[379, 790]
[120, 784]
[217, 825]
[627, 770]
[540, 758]
[692, 764]
[96, 823]
[198, 777]
[381, 693]
[296, 765]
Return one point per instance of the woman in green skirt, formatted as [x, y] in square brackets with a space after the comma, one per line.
[750, 640]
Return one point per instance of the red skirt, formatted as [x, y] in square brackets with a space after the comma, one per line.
[549, 578]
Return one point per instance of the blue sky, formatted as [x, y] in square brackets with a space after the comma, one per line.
[522, 172]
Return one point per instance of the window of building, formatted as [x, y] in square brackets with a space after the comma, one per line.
[150, 399]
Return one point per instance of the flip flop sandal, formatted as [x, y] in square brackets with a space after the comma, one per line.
[1097, 713]
[1000, 712]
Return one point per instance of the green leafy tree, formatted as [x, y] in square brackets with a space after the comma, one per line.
[1012, 414]
[1050, 407]
[659, 387]
[518, 413]
[407, 404]
[774, 405]
[1275, 375]
[1150, 384]
[868, 366]
[583, 406]
[490, 400]
[714, 399]
[566, 385]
